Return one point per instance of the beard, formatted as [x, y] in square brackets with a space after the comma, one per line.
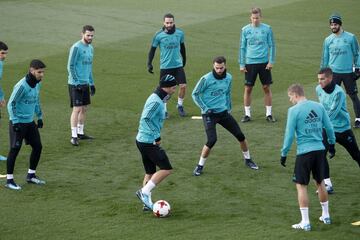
[335, 30]
[88, 41]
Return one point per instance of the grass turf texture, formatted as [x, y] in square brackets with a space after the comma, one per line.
[90, 191]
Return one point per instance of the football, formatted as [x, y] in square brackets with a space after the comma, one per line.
[161, 209]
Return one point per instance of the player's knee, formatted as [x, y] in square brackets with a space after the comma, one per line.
[211, 142]
[182, 86]
[240, 137]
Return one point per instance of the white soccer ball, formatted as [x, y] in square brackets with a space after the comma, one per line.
[161, 208]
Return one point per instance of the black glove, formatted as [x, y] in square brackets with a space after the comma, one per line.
[331, 151]
[150, 68]
[16, 127]
[283, 161]
[356, 74]
[92, 90]
[40, 123]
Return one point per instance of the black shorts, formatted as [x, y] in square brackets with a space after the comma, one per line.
[152, 156]
[257, 69]
[79, 95]
[178, 73]
[226, 120]
[313, 162]
[348, 80]
[28, 131]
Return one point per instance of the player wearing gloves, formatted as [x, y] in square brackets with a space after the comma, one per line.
[333, 98]
[148, 139]
[212, 94]
[171, 42]
[306, 119]
[341, 53]
[23, 104]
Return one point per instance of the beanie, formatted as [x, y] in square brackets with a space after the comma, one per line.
[167, 81]
[335, 18]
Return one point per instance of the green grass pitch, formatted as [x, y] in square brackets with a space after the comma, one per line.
[90, 191]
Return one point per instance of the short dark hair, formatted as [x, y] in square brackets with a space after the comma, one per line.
[327, 71]
[169, 15]
[219, 59]
[88, 28]
[3, 46]
[37, 64]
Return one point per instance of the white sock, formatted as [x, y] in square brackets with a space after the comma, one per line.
[247, 111]
[9, 176]
[357, 119]
[325, 209]
[165, 107]
[180, 101]
[327, 181]
[202, 161]
[31, 171]
[80, 128]
[246, 154]
[150, 185]
[268, 110]
[74, 132]
[304, 216]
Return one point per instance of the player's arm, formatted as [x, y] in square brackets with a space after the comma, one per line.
[197, 94]
[325, 55]
[272, 49]
[289, 133]
[38, 111]
[336, 105]
[151, 110]
[356, 52]
[73, 56]
[150, 59]
[242, 51]
[328, 128]
[183, 53]
[15, 97]
[228, 97]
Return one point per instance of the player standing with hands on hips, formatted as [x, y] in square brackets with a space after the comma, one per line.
[212, 94]
[306, 120]
[171, 41]
[23, 104]
[81, 83]
[148, 139]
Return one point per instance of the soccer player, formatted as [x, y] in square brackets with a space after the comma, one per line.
[148, 139]
[256, 57]
[23, 104]
[333, 98]
[80, 80]
[170, 40]
[306, 119]
[212, 94]
[3, 52]
[341, 53]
